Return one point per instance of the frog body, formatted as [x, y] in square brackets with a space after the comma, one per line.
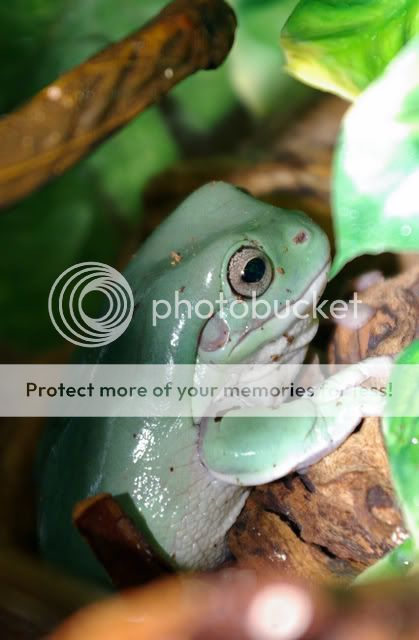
[169, 473]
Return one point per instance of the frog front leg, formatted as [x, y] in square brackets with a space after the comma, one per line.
[241, 448]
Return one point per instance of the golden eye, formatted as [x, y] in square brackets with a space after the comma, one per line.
[249, 272]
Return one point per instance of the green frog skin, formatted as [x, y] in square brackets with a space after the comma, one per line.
[183, 481]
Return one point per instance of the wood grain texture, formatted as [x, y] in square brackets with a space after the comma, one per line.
[69, 118]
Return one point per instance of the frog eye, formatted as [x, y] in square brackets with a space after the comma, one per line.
[249, 272]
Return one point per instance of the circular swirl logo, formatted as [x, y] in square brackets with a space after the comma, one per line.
[67, 302]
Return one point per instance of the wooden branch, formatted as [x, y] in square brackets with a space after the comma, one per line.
[118, 545]
[69, 118]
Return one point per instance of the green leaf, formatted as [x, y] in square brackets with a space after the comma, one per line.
[376, 176]
[395, 564]
[343, 46]
[402, 437]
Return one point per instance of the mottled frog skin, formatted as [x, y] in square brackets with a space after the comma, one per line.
[161, 469]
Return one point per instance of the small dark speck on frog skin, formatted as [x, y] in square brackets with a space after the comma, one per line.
[172, 469]
[300, 238]
[182, 289]
[281, 270]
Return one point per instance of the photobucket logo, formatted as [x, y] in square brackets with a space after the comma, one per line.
[256, 308]
[67, 301]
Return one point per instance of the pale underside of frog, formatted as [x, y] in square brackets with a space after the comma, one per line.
[185, 481]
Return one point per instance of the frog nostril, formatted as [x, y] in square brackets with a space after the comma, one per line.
[301, 237]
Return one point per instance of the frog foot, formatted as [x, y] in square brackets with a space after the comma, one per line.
[243, 448]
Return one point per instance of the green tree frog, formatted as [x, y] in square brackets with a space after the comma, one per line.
[188, 480]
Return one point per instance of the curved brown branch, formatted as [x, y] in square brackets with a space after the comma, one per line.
[70, 117]
[119, 546]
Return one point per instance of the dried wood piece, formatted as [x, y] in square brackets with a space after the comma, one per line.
[341, 516]
[264, 537]
[117, 543]
[394, 325]
[70, 117]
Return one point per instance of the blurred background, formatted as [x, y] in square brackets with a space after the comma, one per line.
[247, 122]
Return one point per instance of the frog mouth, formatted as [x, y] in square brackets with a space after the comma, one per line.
[287, 347]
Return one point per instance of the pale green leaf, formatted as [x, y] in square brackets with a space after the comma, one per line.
[376, 177]
[342, 47]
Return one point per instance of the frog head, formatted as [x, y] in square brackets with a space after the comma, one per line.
[272, 273]
[219, 281]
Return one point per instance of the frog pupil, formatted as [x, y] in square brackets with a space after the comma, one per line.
[254, 271]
